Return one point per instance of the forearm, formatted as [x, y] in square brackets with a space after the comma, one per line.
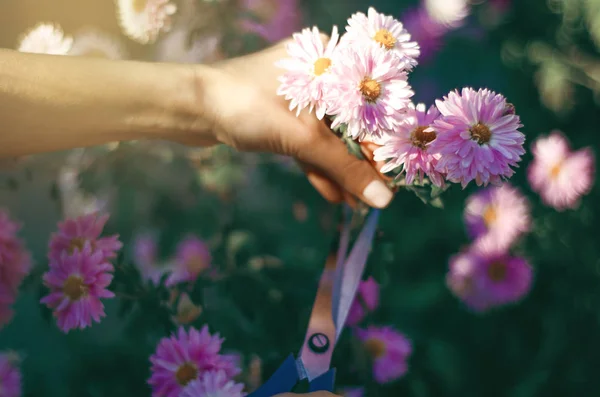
[50, 103]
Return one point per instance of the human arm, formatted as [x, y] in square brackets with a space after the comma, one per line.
[50, 103]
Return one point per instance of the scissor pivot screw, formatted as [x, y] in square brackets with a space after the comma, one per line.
[318, 343]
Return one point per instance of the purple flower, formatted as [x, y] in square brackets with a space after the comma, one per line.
[213, 384]
[483, 278]
[389, 350]
[77, 282]
[184, 357]
[498, 214]
[277, 19]
[352, 392]
[425, 30]
[371, 91]
[10, 376]
[408, 146]
[145, 258]
[366, 300]
[559, 175]
[478, 137]
[75, 233]
[382, 31]
[15, 264]
[192, 258]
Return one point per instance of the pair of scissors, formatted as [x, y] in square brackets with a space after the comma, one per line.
[337, 288]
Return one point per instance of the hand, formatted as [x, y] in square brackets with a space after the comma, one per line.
[240, 105]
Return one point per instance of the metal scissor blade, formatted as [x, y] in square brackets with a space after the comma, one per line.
[353, 270]
[342, 252]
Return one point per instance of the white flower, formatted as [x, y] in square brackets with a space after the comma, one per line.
[92, 43]
[46, 38]
[144, 20]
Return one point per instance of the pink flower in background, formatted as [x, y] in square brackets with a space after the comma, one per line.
[478, 137]
[559, 175]
[390, 351]
[408, 146]
[383, 31]
[366, 300]
[46, 38]
[75, 233]
[144, 20]
[77, 283]
[483, 277]
[499, 214]
[192, 258]
[448, 13]
[15, 264]
[145, 257]
[371, 92]
[352, 392]
[213, 384]
[10, 376]
[6, 312]
[425, 31]
[275, 19]
[307, 74]
[187, 356]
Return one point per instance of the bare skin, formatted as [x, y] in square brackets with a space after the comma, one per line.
[50, 103]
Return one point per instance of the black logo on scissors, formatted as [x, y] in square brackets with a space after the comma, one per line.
[318, 343]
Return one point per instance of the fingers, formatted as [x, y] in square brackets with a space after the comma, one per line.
[324, 151]
[329, 190]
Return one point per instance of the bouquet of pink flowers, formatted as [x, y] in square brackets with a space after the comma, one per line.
[359, 82]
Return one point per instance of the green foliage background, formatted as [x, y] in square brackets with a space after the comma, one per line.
[548, 345]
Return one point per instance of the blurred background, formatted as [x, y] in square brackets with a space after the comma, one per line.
[269, 231]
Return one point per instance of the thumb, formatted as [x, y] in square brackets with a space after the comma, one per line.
[327, 153]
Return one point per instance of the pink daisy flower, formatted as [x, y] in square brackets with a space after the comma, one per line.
[213, 384]
[308, 71]
[46, 38]
[390, 351]
[478, 137]
[499, 214]
[145, 257]
[10, 376]
[408, 146]
[484, 278]
[366, 300]
[15, 264]
[192, 258]
[383, 31]
[77, 282]
[560, 176]
[187, 356]
[75, 233]
[371, 92]
[144, 20]
[276, 19]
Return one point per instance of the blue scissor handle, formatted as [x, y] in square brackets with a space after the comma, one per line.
[286, 377]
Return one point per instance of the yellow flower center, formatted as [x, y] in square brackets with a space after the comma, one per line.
[385, 39]
[420, 138]
[139, 5]
[370, 89]
[489, 215]
[186, 373]
[321, 65]
[75, 288]
[555, 171]
[375, 347]
[497, 271]
[480, 133]
[76, 243]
